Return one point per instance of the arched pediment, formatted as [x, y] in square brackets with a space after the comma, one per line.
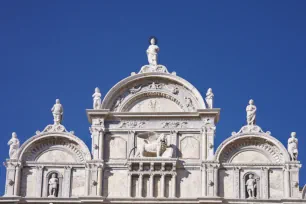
[54, 147]
[251, 146]
[154, 92]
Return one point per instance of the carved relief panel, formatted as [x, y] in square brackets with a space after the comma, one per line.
[189, 147]
[116, 147]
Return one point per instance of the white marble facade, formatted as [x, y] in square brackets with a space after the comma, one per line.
[153, 142]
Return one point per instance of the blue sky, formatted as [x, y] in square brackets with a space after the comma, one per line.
[64, 49]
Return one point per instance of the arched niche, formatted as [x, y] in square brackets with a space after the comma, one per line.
[244, 190]
[54, 147]
[251, 148]
[46, 185]
[170, 90]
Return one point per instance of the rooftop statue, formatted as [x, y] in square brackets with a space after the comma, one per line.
[293, 146]
[97, 99]
[57, 111]
[209, 98]
[14, 146]
[251, 113]
[152, 51]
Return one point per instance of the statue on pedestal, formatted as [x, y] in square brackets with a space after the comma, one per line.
[251, 186]
[97, 99]
[57, 111]
[251, 113]
[209, 98]
[14, 146]
[152, 51]
[53, 186]
[293, 146]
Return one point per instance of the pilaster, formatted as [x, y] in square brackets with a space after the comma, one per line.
[67, 181]
[39, 180]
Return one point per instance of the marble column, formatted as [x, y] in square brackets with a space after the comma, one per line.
[99, 180]
[173, 185]
[140, 180]
[67, 182]
[265, 183]
[129, 183]
[151, 185]
[286, 181]
[204, 180]
[87, 180]
[101, 144]
[216, 181]
[17, 180]
[236, 186]
[39, 180]
[162, 185]
[204, 144]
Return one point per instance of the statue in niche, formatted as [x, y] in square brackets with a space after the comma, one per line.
[209, 98]
[251, 113]
[14, 146]
[97, 99]
[152, 51]
[155, 145]
[53, 186]
[293, 146]
[57, 111]
[251, 186]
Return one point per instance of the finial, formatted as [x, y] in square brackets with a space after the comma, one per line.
[57, 111]
[209, 98]
[97, 99]
[251, 113]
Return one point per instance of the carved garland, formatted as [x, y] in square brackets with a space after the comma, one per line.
[253, 143]
[34, 151]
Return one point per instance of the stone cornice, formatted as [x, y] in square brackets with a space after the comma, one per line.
[105, 113]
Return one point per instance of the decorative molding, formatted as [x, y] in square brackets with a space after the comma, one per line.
[132, 124]
[174, 124]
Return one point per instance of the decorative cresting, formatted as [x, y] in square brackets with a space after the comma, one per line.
[150, 91]
[51, 138]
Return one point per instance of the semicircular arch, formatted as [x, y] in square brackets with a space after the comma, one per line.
[261, 144]
[34, 147]
[168, 86]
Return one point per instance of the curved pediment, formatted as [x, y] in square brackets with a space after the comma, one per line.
[157, 92]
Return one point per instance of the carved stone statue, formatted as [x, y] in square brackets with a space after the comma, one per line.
[209, 98]
[14, 146]
[57, 111]
[97, 99]
[293, 146]
[152, 51]
[53, 186]
[154, 145]
[251, 113]
[251, 186]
